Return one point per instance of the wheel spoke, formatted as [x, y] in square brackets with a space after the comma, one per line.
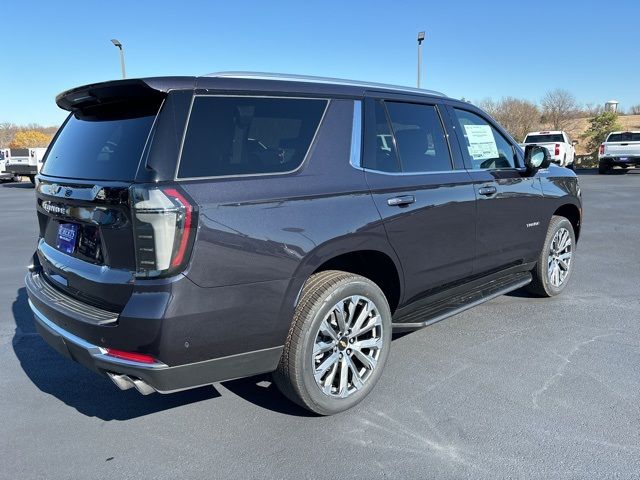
[355, 376]
[321, 347]
[373, 322]
[364, 313]
[328, 382]
[339, 313]
[324, 366]
[328, 330]
[368, 343]
[344, 378]
[367, 360]
[351, 310]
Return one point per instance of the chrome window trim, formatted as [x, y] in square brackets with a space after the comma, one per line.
[355, 157]
[322, 80]
[438, 172]
[245, 175]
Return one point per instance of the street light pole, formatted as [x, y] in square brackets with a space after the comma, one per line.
[420, 40]
[119, 45]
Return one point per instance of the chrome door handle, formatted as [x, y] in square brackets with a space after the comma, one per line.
[487, 191]
[401, 201]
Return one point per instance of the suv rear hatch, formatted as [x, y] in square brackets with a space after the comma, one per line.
[99, 228]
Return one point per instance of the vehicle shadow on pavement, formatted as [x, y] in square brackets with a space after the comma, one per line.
[68, 381]
[261, 391]
[25, 185]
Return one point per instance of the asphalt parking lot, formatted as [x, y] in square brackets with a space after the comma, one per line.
[517, 387]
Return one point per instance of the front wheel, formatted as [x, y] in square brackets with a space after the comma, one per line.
[338, 343]
[555, 262]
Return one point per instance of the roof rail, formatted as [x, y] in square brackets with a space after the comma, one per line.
[325, 80]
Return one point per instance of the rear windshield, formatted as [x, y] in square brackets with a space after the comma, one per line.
[248, 135]
[99, 149]
[624, 137]
[548, 138]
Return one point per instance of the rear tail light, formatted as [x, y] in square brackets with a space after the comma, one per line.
[557, 149]
[164, 226]
[602, 149]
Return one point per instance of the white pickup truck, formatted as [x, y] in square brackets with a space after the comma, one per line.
[620, 149]
[5, 155]
[25, 162]
[561, 148]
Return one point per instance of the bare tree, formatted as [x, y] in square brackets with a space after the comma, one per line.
[7, 132]
[591, 109]
[634, 110]
[517, 116]
[558, 107]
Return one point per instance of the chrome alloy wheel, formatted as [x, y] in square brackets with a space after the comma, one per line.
[559, 260]
[347, 346]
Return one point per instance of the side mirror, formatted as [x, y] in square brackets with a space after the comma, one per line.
[536, 157]
[574, 143]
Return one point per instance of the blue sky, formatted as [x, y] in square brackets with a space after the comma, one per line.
[475, 49]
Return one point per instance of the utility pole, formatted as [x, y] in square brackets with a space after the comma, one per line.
[420, 40]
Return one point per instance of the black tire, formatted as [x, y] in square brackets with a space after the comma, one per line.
[32, 179]
[295, 374]
[603, 168]
[541, 284]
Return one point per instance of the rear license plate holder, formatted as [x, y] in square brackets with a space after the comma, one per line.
[67, 237]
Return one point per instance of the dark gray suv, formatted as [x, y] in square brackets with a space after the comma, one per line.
[197, 229]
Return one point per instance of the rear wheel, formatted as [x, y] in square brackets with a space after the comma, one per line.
[603, 168]
[338, 343]
[32, 179]
[555, 262]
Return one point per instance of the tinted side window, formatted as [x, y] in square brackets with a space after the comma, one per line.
[248, 135]
[486, 148]
[420, 137]
[384, 157]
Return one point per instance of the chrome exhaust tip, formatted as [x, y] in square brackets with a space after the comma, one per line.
[125, 382]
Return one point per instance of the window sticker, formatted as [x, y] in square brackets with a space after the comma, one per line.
[482, 145]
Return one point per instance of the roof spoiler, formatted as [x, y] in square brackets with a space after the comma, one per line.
[119, 91]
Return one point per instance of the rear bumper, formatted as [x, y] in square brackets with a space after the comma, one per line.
[56, 316]
[20, 169]
[620, 161]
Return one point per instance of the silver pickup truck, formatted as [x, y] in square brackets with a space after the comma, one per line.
[620, 149]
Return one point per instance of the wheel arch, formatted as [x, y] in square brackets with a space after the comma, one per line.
[372, 264]
[369, 256]
[572, 213]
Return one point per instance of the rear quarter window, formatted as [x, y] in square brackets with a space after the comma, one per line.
[248, 135]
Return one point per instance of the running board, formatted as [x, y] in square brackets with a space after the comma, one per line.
[427, 314]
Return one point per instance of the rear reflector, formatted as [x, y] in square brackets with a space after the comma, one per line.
[134, 357]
